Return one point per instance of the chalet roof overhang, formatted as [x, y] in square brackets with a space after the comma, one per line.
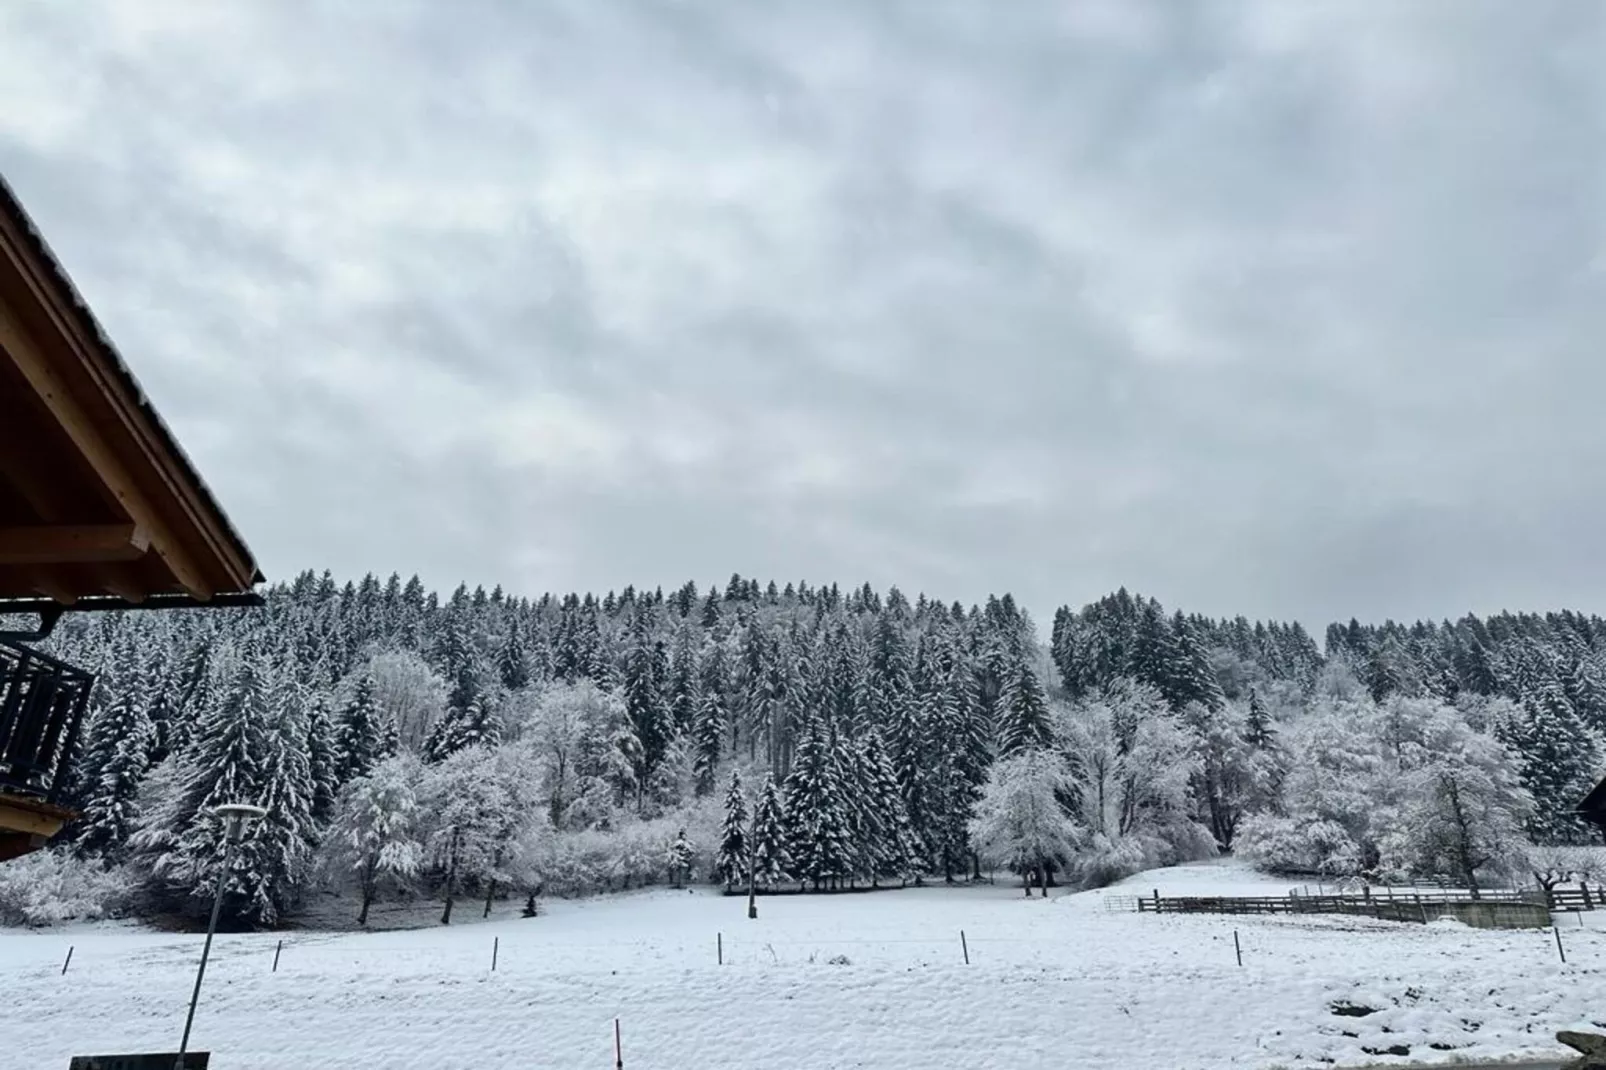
[99, 506]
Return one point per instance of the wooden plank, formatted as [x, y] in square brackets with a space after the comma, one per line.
[53, 392]
[71, 543]
[28, 819]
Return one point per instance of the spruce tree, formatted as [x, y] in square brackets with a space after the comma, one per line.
[1560, 760]
[1196, 678]
[708, 736]
[1586, 690]
[1022, 710]
[513, 664]
[684, 698]
[817, 811]
[772, 861]
[1156, 657]
[193, 695]
[679, 857]
[114, 761]
[732, 861]
[461, 728]
[645, 706]
[359, 734]
[1258, 731]
[229, 762]
[321, 757]
[894, 850]
[276, 854]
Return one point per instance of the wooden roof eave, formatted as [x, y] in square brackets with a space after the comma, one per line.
[70, 365]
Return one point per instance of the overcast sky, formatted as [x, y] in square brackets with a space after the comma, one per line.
[1289, 309]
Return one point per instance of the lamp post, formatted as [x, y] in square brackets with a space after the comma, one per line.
[237, 816]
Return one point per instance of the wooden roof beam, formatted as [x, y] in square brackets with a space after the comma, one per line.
[53, 392]
[51, 544]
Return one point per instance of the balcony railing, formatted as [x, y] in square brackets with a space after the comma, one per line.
[42, 703]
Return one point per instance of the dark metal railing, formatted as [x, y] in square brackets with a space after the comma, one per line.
[42, 703]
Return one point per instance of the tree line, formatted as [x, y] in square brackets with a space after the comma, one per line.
[797, 734]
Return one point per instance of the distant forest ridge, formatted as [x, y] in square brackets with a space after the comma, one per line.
[875, 737]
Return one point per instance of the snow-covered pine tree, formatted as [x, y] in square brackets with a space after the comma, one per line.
[772, 861]
[1195, 679]
[645, 705]
[1155, 657]
[708, 736]
[277, 853]
[817, 811]
[1586, 690]
[321, 757]
[1022, 710]
[158, 694]
[1560, 762]
[895, 851]
[513, 663]
[471, 726]
[359, 733]
[678, 857]
[228, 762]
[114, 762]
[194, 694]
[684, 698]
[1258, 730]
[731, 863]
[863, 819]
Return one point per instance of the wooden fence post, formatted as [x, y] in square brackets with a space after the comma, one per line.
[963, 946]
[618, 1048]
[719, 948]
[277, 948]
[64, 965]
[1557, 930]
[496, 946]
[1237, 949]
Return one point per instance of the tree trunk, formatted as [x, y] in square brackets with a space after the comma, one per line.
[451, 881]
[490, 893]
[1463, 837]
[367, 894]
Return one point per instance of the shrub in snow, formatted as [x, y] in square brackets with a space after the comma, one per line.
[50, 887]
[1285, 845]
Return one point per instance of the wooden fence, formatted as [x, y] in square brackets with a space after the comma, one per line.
[1493, 907]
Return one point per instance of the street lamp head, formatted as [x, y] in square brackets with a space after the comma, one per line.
[238, 816]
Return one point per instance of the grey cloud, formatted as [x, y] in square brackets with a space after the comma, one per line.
[1262, 307]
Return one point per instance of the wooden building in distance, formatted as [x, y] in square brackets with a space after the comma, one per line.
[99, 509]
[1593, 808]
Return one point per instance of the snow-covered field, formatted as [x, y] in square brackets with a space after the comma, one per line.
[1062, 983]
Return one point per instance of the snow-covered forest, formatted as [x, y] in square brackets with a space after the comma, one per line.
[486, 746]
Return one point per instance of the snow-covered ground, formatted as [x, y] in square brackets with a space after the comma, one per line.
[1060, 983]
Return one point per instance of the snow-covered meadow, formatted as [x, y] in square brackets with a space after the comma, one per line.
[1056, 983]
